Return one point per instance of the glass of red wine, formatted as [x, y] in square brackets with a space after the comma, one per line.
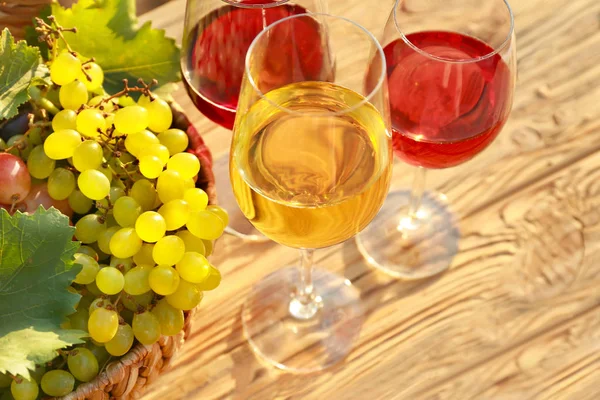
[217, 35]
[451, 67]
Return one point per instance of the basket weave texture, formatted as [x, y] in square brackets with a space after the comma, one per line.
[127, 377]
[17, 14]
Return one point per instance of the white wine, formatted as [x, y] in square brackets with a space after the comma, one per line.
[310, 164]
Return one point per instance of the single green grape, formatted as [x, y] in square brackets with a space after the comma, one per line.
[110, 280]
[196, 198]
[64, 119]
[157, 150]
[220, 212]
[144, 193]
[96, 75]
[100, 302]
[176, 213]
[88, 251]
[79, 319]
[88, 155]
[126, 211]
[73, 95]
[82, 364]
[93, 184]
[136, 280]
[106, 171]
[35, 136]
[168, 250]
[5, 380]
[79, 203]
[61, 144]
[208, 245]
[144, 256]
[133, 302]
[40, 166]
[131, 119]
[105, 237]
[186, 297]
[192, 243]
[20, 146]
[122, 342]
[89, 227]
[160, 116]
[24, 389]
[151, 166]
[122, 264]
[90, 122]
[99, 351]
[170, 186]
[188, 184]
[103, 325]
[65, 68]
[89, 270]
[116, 192]
[163, 280]
[146, 328]
[193, 267]
[57, 383]
[175, 140]
[37, 374]
[125, 243]
[61, 183]
[150, 226]
[186, 164]
[171, 319]
[205, 225]
[93, 288]
[3, 145]
[136, 142]
[213, 280]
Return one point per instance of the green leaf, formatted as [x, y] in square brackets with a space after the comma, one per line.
[106, 30]
[36, 268]
[19, 64]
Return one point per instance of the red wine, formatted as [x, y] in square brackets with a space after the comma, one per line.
[445, 113]
[217, 46]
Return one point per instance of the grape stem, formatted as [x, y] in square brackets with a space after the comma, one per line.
[145, 90]
[50, 34]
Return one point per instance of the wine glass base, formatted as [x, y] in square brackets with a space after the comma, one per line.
[302, 345]
[407, 248]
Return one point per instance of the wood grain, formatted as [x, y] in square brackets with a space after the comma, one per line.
[518, 314]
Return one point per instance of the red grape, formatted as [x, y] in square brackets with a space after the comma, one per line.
[39, 197]
[15, 181]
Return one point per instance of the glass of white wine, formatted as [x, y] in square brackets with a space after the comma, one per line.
[310, 167]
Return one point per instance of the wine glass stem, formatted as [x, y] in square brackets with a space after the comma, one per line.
[304, 304]
[410, 221]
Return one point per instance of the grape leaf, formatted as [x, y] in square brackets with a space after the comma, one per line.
[19, 65]
[107, 31]
[36, 267]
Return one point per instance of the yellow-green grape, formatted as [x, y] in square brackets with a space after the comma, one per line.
[136, 280]
[122, 264]
[146, 328]
[99, 351]
[196, 198]
[93, 184]
[208, 245]
[160, 116]
[88, 155]
[5, 380]
[64, 69]
[186, 297]
[89, 227]
[157, 150]
[57, 383]
[170, 186]
[73, 95]
[220, 212]
[61, 144]
[101, 255]
[163, 280]
[79, 203]
[35, 136]
[93, 288]
[144, 256]
[89, 270]
[105, 237]
[126, 101]
[144, 193]
[115, 193]
[122, 342]
[193, 267]
[132, 303]
[24, 389]
[110, 280]
[150, 226]
[100, 302]
[126, 211]
[79, 319]
[94, 71]
[192, 243]
[171, 320]
[90, 122]
[20, 146]
[212, 281]
[131, 119]
[205, 225]
[124, 164]
[103, 325]
[105, 170]
[189, 184]
[89, 251]
[61, 184]
[64, 119]
[82, 364]
[136, 142]
[40, 166]
[175, 140]
[168, 250]
[176, 213]
[151, 166]
[186, 164]
[125, 243]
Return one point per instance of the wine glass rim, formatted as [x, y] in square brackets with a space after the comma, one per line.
[266, 5]
[497, 50]
[367, 98]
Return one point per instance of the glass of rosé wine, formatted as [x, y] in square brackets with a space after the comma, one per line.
[451, 67]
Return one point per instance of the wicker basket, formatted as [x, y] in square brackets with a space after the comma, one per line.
[126, 378]
[17, 14]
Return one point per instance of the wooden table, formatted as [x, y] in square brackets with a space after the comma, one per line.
[516, 317]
